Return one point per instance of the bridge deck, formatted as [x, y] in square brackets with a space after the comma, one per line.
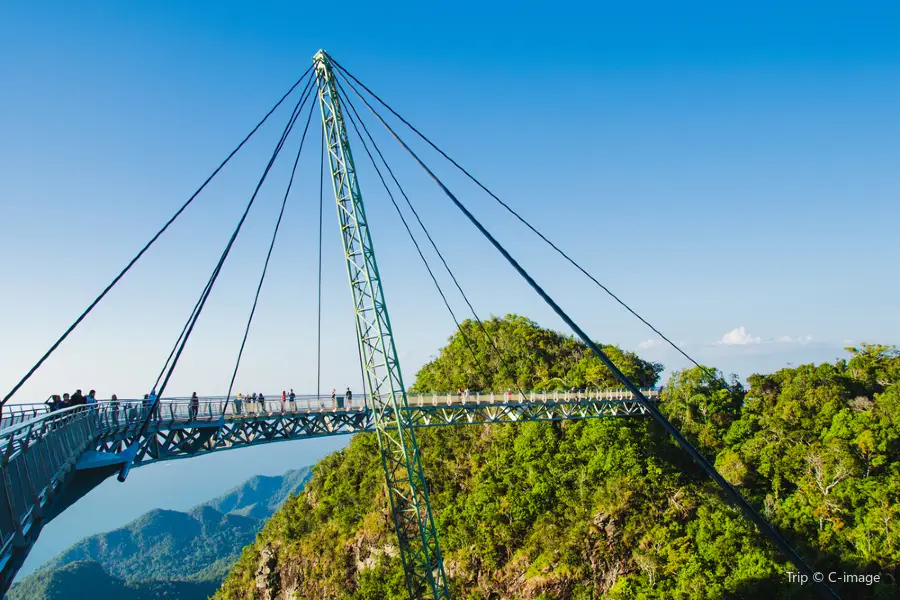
[51, 459]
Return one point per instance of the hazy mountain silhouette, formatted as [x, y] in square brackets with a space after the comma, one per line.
[163, 553]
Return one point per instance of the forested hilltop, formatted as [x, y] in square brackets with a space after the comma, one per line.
[611, 508]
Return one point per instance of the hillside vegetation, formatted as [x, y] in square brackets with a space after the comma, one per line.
[611, 508]
[163, 553]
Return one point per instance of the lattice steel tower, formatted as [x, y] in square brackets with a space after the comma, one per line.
[408, 493]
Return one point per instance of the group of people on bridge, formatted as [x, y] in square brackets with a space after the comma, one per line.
[255, 404]
[55, 402]
[247, 404]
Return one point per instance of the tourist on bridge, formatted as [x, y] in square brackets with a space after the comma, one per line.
[114, 409]
[252, 408]
[237, 404]
[334, 396]
[54, 402]
[91, 397]
[262, 403]
[77, 398]
[194, 407]
[283, 399]
[66, 401]
[292, 397]
[154, 405]
[349, 397]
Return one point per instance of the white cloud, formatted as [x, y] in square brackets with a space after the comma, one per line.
[738, 337]
[646, 344]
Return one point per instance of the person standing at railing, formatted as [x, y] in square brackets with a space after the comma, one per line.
[77, 398]
[154, 404]
[252, 408]
[54, 402]
[91, 397]
[262, 403]
[283, 399]
[334, 396]
[292, 397]
[237, 404]
[114, 409]
[194, 408]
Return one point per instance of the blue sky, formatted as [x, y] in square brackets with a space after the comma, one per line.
[728, 169]
[718, 167]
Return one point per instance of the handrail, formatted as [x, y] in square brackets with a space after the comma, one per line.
[277, 397]
[179, 407]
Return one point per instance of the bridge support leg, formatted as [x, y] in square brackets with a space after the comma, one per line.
[407, 491]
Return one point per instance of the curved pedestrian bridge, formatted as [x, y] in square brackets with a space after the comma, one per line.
[51, 459]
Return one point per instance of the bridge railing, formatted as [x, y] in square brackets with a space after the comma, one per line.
[528, 396]
[211, 408]
[13, 414]
[36, 458]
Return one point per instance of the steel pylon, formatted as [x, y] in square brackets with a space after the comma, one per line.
[407, 490]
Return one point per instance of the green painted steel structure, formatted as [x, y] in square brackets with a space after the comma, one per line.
[407, 489]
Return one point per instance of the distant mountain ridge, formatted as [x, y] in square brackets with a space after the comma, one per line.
[164, 553]
[88, 580]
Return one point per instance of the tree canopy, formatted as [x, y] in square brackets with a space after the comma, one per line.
[516, 351]
[612, 508]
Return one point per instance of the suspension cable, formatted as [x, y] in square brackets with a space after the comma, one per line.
[764, 526]
[216, 272]
[319, 286]
[192, 321]
[148, 244]
[262, 277]
[562, 253]
[490, 339]
[412, 237]
[326, 148]
[294, 115]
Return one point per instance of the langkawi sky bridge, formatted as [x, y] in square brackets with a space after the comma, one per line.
[51, 459]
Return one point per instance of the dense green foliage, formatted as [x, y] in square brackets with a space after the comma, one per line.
[88, 580]
[187, 554]
[611, 508]
[514, 351]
